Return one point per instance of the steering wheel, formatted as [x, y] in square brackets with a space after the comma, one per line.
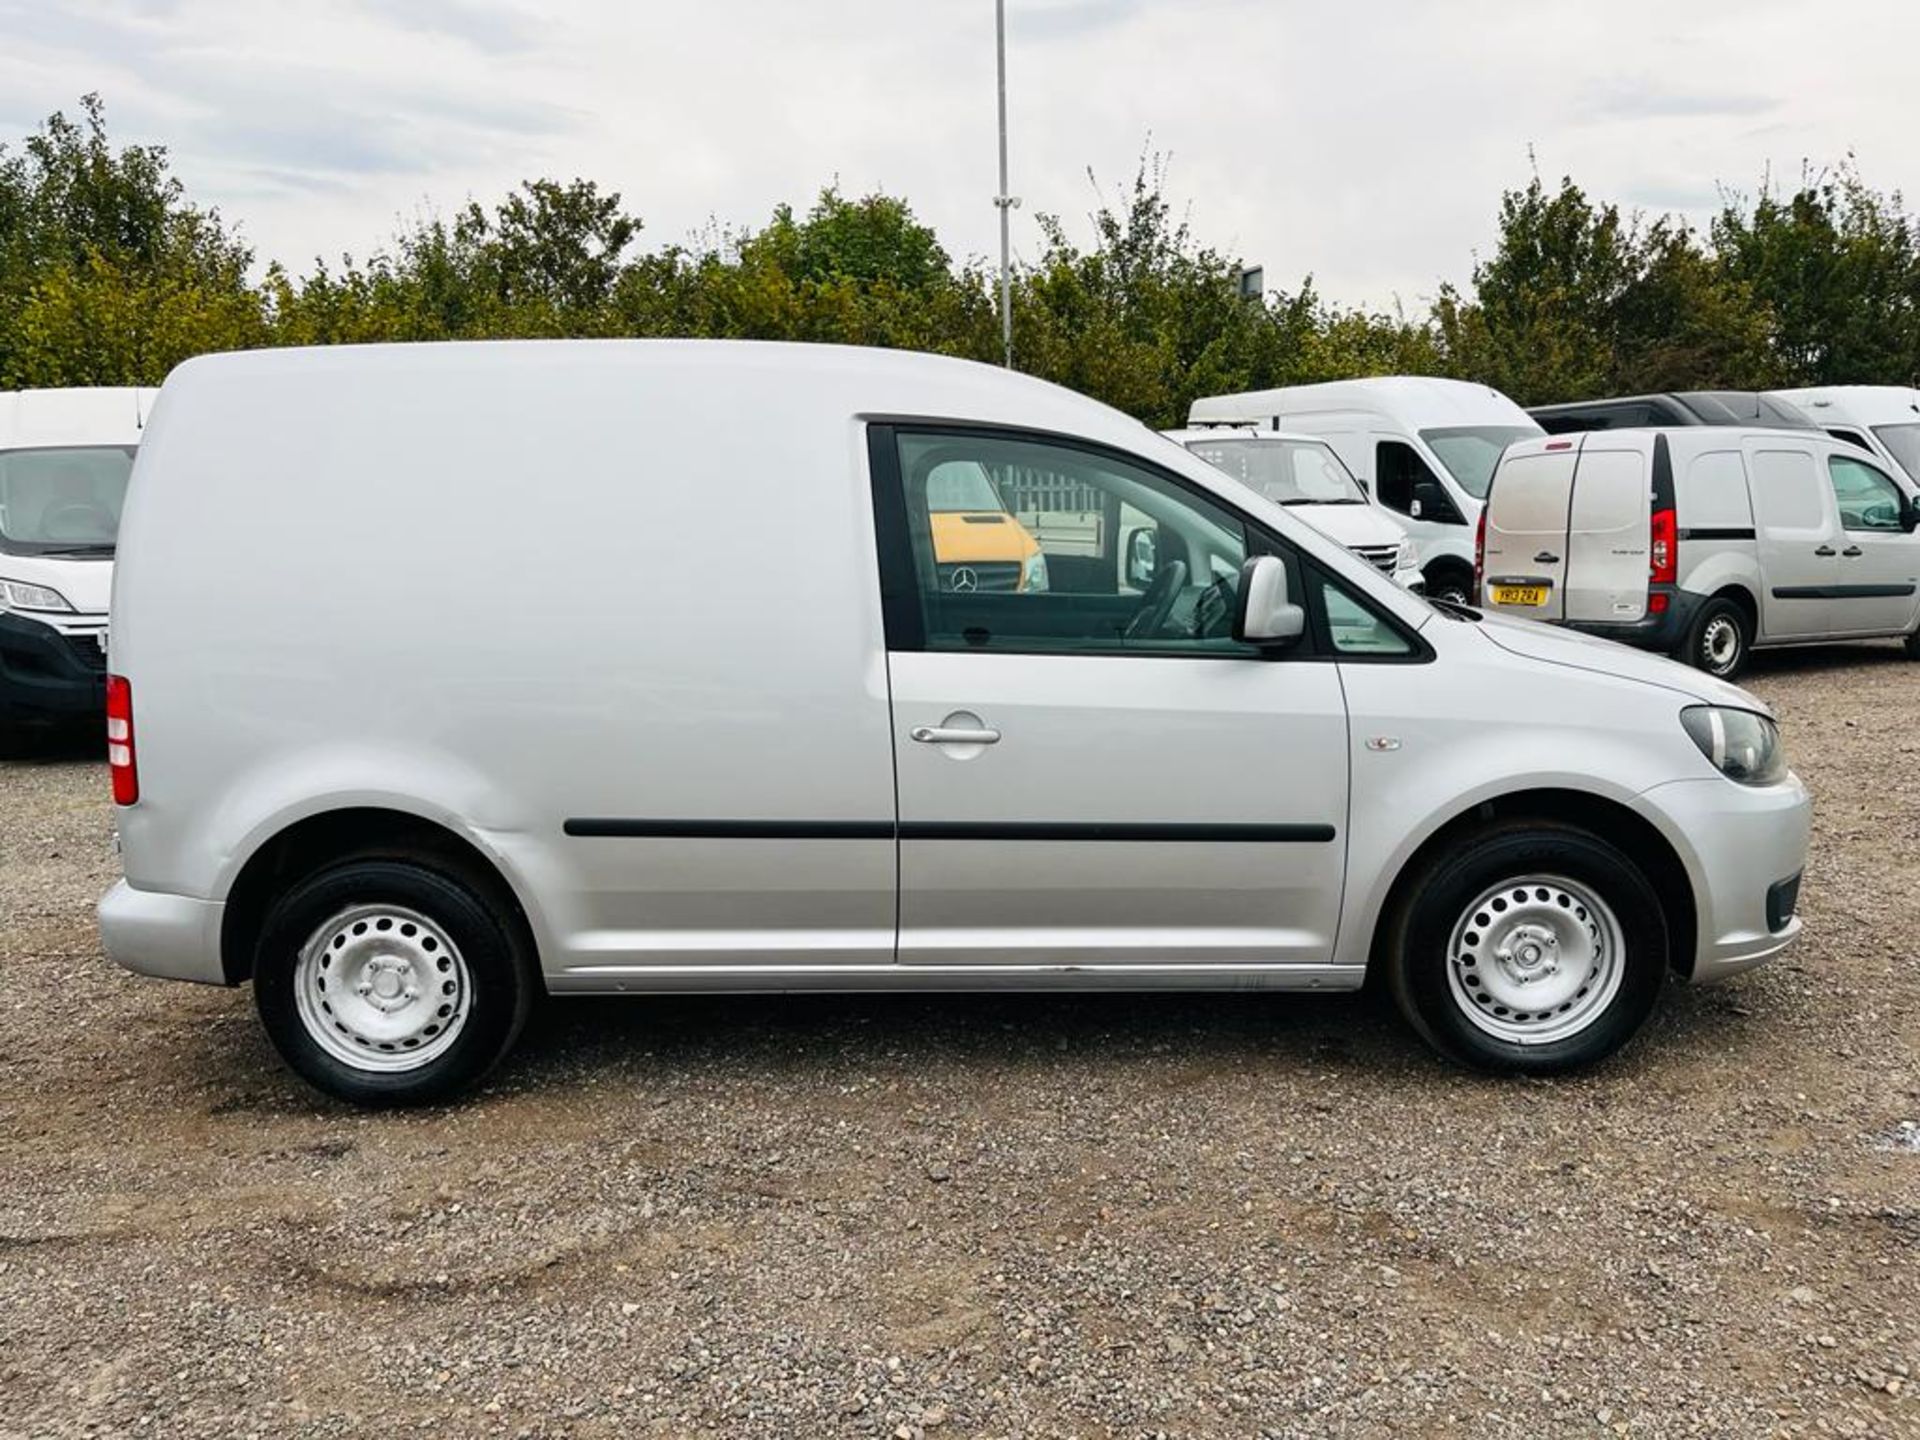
[1156, 606]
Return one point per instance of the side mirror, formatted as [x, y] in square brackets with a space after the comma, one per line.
[1909, 513]
[1265, 616]
[1142, 558]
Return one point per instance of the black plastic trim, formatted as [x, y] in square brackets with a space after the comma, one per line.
[1174, 832]
[1097, 830]
[1840, 592]
[603, 829]
[1718, 532]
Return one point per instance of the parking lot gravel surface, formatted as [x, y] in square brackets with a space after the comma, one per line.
[997, 1216]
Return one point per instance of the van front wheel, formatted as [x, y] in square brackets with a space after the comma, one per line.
[1533, 948]
[1718, 640]
[386, 982]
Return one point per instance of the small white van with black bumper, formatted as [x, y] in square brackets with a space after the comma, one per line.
[65, 456]
[1704, 542]
[555, 675]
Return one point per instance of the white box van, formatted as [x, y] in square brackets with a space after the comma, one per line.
[1883, 420]
[65, 456]
[622, 667]
[1425, 449]
[1704, 542]
[1304, 474]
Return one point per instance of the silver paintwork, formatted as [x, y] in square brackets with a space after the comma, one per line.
[510, 675]
[1535, 959]
[382, 988]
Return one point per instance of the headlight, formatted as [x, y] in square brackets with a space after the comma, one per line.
[18, 595]
[1408, 557]
[1741, 745]
[1033, 574]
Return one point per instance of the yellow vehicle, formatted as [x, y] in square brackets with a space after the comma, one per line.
[977, 543]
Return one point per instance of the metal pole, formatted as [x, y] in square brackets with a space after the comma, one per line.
[1004, 201]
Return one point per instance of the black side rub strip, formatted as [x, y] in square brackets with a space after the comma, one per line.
[1722, 532]
[1064, 830]
[616, 829]
[1840, 592]
[606, 829]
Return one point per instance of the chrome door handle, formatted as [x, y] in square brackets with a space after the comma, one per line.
[954, 735]
[1852, 550]
[1546, 557]
[1826, 550]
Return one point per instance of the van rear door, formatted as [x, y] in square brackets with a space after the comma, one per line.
[1526, 537]
[1607, 529]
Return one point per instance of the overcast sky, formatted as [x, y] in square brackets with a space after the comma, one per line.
[1365, 141]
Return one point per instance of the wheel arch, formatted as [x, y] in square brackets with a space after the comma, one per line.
[356, 831]
[1628, 831]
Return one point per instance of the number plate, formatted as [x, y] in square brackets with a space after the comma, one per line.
[1520, 594]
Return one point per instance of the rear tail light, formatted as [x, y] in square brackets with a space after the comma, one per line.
[1665, 548]
[120, 761]
[1480, 547]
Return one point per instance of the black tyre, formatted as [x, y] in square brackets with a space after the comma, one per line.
[1450, 582]
[1719, 639]
[1532, 948]
[391, 982]
[1913, 646]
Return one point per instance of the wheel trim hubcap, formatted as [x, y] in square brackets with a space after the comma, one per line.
[1721, 642]
[382, 988]
[1535, 959]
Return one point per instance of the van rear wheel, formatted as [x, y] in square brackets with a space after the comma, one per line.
[388, 982]
[1718, 640]
[1534, 948]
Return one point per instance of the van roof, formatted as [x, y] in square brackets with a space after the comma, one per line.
[1859, 404]
[886, 382]
[1418, 401]
[95, 415]
[1239, 431]
[1674, 407]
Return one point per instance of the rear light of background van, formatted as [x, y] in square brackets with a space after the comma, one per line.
[1665, 547]
[1480, 548]
[120, 761]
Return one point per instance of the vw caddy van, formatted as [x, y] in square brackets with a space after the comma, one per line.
[1704, 542]
[1425, 448]
[475, 736]
[1302, 473]
[65, 456]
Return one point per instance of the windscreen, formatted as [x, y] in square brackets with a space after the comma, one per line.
[63, 501]
[1288, 472]
[1471, 451]
[1904, 443]
[956, 486]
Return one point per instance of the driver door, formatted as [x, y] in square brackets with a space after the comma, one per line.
[1093, 773]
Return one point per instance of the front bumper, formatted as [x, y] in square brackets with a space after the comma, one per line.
[172, 936]
[53, 671]
[1741, 845]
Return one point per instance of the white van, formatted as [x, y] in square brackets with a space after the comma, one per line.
[1425, 449]
[65, 456]
[1303, 473]
[556, 674]
[1883, 420]
[1704, 542]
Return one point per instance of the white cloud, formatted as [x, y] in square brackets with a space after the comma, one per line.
[1366, 143]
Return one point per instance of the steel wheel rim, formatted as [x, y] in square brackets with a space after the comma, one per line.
[1720, 642]
[1535, 959]
[382, 988]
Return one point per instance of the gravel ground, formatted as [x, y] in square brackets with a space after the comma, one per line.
[1231, 1215]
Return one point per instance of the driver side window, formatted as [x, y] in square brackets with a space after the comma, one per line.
[1031, 546]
